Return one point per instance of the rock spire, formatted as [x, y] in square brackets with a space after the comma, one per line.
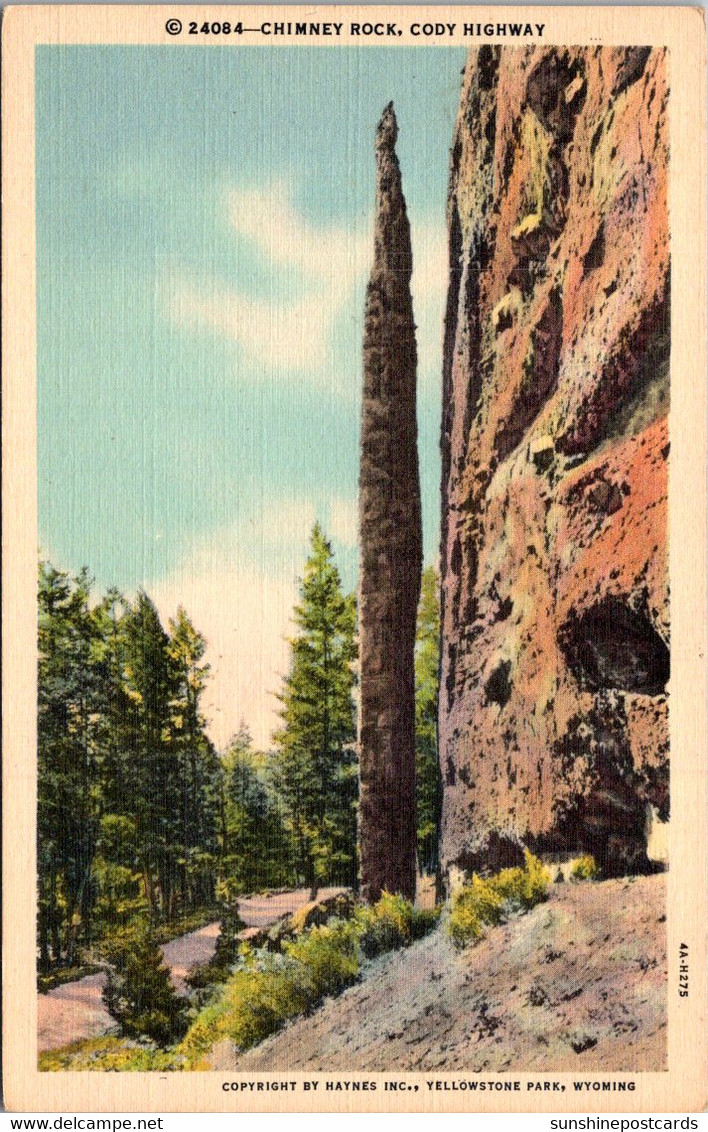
[390, 543]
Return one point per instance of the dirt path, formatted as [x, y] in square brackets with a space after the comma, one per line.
[75, 1010]
[577, 984]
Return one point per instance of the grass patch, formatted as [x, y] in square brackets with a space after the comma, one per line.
[485, 902]
[46, 983]
[584, 868]
[189, 922]
[107, 1054]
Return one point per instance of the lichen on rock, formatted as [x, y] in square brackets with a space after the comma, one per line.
[554, 716]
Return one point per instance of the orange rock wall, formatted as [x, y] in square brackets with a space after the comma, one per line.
[553, 702]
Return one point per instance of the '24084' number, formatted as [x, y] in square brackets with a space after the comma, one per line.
[215, 29]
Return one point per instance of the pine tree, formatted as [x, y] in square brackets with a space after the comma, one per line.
[129, 782]
[315, 760]
[138, 991]
[155, 784]
[195, 810]
[428, 779]
[257, 846]
[68, 752]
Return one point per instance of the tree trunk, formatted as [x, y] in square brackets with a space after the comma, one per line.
[311, 881]
[390, 543]
[43, 940]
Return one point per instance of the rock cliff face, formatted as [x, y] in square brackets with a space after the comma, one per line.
[553, 700]
[390, 542]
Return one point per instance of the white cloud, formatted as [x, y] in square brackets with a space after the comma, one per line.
[294, 332]
[239, 586]
[429, 283]
[279, 331]
[344, 521]
[429, 288]
[244, 616]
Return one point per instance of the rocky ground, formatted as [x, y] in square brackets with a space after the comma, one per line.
[577, 984]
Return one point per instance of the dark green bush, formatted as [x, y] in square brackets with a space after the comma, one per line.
[138, 992]
[217, 970]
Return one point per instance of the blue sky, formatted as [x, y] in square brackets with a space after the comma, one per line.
[204, 234]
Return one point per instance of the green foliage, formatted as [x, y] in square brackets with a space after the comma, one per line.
[270, 989]
[227, 945]
[204, 1031]
[257, 849]
[128, 783]
[326, 959]
[385, 925]
[521, 889]
[69, 756]
[217, 970]
[428, 779]
[314, 766]
[484, 902]
[473, 907]
[138, 992]
[108, 1054]
[584, 868]
[173, 767]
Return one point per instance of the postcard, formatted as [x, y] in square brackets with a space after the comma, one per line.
[354, 559]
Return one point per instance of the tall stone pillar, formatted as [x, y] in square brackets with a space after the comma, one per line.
[390, 544]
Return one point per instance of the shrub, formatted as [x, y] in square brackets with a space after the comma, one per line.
[138, 993]
[484, 902]
[255, 1004]
[424, 920]
[326, 959]
[269, 989]
[217, 970]
[584, 869]
[227, 945]
[384, 925]
[107, 1054]
[521, 889]
[474, 906]
[202, 1034]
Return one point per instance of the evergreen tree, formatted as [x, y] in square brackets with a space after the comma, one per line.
[257, 846]
[129, 784]
[195, 820]
[154, 766]
[138, 991]
[314, 766]
[428, 778]
[68, 754]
